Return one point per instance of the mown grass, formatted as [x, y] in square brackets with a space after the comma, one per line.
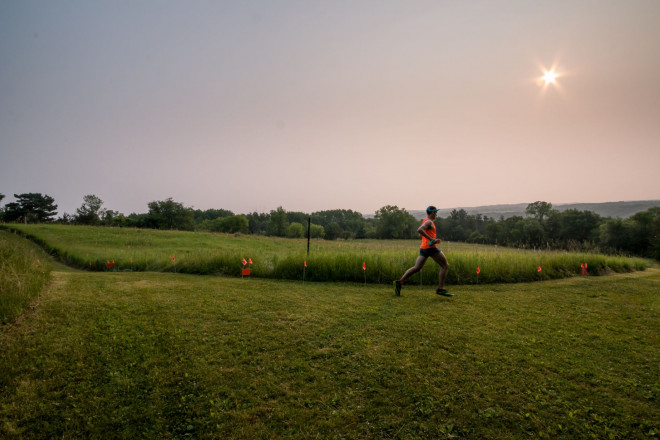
[386, 260]
[160, 355]
[23, 273]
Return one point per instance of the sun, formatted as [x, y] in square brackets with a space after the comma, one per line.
[550, 77]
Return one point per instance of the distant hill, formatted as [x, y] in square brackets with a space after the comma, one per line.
[608, 209]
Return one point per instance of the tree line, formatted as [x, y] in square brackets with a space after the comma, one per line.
[541, 227]
[545, 227]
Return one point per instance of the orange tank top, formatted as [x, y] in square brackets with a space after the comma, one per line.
[430, 233]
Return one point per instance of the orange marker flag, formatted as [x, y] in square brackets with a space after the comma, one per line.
[539, 269]
[173, 259]
[244, 262]
[250, 261]
[305, 263]
[364, 265]
[478, 270]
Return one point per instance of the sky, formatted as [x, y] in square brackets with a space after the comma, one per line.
[342, 104]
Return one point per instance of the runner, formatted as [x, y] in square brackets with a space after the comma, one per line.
[427, 249]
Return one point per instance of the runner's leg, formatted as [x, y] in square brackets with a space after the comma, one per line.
[444, 268]
[419, 264]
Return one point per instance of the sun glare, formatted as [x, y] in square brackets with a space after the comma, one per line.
[550, 77]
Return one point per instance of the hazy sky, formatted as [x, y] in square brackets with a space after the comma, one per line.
[315, 105]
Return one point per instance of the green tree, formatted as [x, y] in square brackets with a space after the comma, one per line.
[533, 233]
[210, 214]
[297, 217]
[114, 218]
[351, 223]
[31, 208]
[654, 250]
[552, 226]
[476, 237]
[615, 233]
[579, 226]
[168, 214]
[642, 231]
[538, 210]
[65, 219]
[456, 226]
[90, 212]
[258, 222]
[393, 222]
[639, 234]
[234, 224]
[333, 231]
[278, 224]
[459, 216]
[370, 229]
[317, 231]
[493, 232]
[511, 231]
[140, 221]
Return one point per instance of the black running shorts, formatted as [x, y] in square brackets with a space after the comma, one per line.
[428, 252]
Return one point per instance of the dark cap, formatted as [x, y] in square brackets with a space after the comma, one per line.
[431, 209]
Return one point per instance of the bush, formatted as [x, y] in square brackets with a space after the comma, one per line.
[317, 231]
[295, 230]
[234, 224]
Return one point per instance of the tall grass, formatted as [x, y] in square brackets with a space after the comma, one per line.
[205, 253]
[23, 274]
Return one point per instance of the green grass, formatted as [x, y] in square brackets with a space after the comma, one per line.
[386, 260]
[162, 355]
[23, 273]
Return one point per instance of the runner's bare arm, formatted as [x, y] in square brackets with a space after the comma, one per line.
[422, 229]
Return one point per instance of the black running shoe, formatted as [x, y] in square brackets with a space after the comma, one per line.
[443, 292]
[397, 288]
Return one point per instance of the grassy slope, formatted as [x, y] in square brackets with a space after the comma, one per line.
[24, 271]
[386, 260]
[148, 355]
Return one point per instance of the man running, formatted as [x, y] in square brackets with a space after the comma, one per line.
[427, 249]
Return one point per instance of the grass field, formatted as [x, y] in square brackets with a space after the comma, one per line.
[386, 260]
[22, 275]
[163, 355]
